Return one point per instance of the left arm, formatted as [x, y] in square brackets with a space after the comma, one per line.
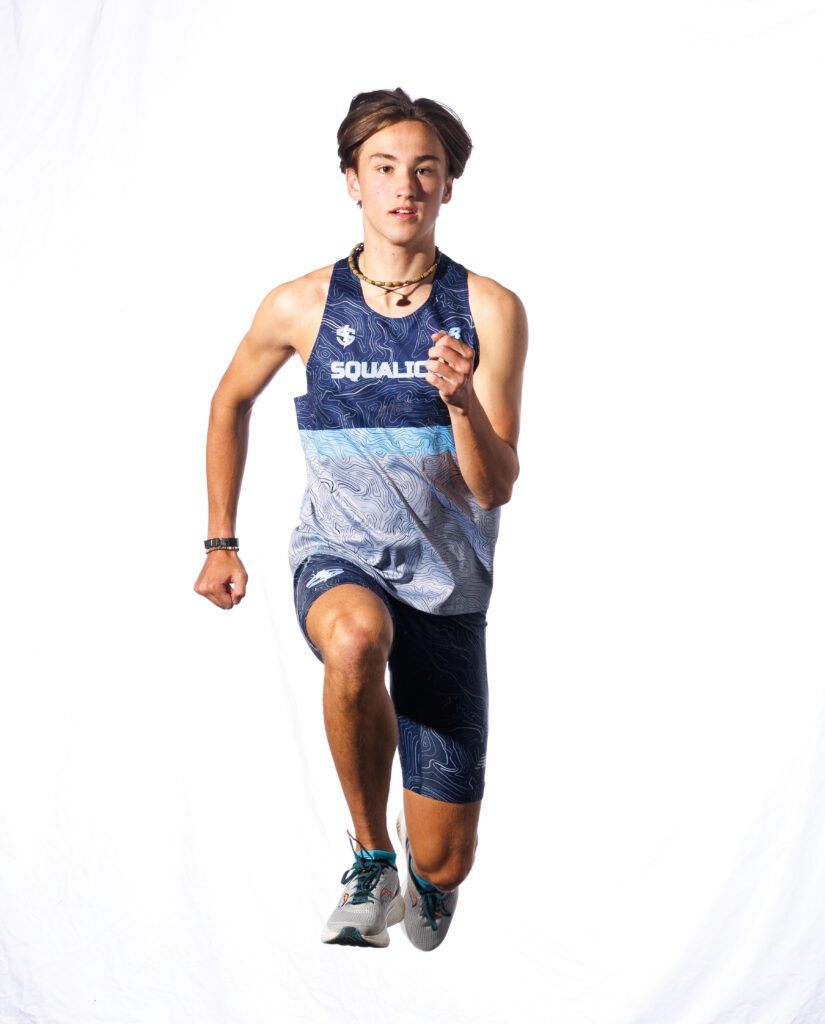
[485, 406]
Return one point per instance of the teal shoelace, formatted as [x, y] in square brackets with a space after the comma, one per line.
[432, 903]
[367, 871]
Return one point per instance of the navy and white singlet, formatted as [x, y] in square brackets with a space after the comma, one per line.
[386, 508]
[383, 485]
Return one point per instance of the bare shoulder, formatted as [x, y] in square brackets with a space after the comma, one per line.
[286, 321]
[308, 289]
[488, 290]
[498, 313]
[289, 314]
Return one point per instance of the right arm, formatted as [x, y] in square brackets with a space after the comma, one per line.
[265, 348]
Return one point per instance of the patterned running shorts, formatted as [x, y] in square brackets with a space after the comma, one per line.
[438, 683]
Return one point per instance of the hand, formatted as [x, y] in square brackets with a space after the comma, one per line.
[222, 571]
[450, 369]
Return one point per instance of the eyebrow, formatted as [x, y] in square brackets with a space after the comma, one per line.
[389, 156]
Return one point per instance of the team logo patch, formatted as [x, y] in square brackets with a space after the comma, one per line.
[321, 577]
[345, 334]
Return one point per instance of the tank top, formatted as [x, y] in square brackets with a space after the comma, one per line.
[384, 489]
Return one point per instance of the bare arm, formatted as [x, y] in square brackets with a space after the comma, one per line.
[264, 349]
[485, 406]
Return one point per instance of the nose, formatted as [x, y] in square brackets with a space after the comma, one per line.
[406, 183]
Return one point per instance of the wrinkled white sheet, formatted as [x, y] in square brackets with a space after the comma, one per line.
[648, 177]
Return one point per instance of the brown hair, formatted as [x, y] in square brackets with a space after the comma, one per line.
[369, 112]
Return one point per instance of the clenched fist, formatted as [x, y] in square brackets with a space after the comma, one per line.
[450, 369]
[222, 579]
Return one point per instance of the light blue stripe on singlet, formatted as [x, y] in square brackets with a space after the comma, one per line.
[378, 441]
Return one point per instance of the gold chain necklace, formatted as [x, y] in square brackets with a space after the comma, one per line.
[353, 265]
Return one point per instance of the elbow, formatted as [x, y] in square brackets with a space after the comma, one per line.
[502, 490]
[489, 502]
[232, 408]
[502, 494]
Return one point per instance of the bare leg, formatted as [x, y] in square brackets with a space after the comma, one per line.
[353, 630]
[443, 838]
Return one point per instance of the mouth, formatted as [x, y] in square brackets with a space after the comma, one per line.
[403, 212]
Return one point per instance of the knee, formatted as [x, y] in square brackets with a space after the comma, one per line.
[357, 646]
[445, 865]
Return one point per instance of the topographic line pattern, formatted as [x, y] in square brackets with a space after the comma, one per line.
[384, 488]
[438, 682]
[441, 703]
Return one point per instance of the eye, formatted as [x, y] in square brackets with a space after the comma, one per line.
[384, 167]
[426, 170]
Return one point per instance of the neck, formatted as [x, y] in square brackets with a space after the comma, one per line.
[384, 261]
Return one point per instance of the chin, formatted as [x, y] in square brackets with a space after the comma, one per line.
[401, 237]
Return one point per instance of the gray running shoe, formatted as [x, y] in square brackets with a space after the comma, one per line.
[427, 915]
[370, 904]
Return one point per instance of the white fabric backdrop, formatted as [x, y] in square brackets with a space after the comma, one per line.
[648, 177]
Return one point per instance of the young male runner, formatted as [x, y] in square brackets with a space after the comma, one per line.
[409, 427]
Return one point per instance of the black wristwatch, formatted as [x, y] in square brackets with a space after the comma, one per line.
[227, 543]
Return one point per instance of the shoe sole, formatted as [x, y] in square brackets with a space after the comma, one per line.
[352, 936]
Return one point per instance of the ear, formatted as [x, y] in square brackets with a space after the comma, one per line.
[448, 190]
[353, 186]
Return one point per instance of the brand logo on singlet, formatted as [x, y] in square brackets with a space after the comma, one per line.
[345, 334]
[322, 576]
[455, 332]
[358, 371]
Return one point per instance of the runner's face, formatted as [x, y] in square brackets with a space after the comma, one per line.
[401, 181]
